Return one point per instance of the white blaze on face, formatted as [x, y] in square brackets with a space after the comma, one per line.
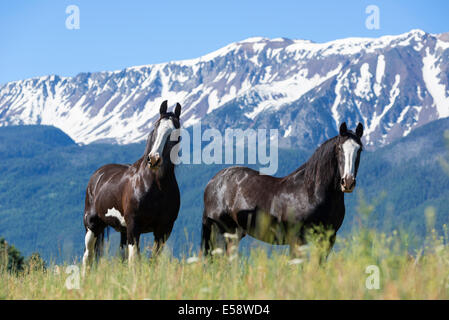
[163, 131]
[350, 149]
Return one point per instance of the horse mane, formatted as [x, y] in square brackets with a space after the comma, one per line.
[321, 166]
[149, 143]
[148, 146]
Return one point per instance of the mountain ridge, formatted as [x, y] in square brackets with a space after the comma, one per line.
[391, 84]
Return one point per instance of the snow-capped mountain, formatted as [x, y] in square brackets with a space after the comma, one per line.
[391, 84]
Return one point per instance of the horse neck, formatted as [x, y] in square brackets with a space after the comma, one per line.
[145, 173]
[320, 173]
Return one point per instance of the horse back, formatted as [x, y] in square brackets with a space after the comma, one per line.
[235, 189]
[239, 191]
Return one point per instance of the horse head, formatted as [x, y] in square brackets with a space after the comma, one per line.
[349, 148]
[161, 144]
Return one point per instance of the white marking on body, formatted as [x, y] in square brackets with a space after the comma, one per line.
[350, 149]
[114, 213]
[164, 130]
[89, 242]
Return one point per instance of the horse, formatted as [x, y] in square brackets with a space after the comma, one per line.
[240, 201]
[134, 199]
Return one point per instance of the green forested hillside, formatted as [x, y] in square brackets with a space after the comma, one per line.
[43, 175]
[405, 178]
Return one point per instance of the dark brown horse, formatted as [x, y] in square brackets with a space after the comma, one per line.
[138, 198]
[240, 201]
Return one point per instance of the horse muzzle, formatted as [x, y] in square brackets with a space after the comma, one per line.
[347, 184]
[154, 161]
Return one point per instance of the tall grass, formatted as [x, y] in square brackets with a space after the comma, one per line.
[404, 272]
[423, 274]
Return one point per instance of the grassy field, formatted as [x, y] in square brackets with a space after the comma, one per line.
[349, 273]
[365, 264]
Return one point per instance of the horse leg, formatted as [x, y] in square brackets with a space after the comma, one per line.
[332, 239]
[133, 237]
[157, 246]
[232, 238]
[89, 241]
[298, 247]
[212, 237]
[123, 241]
[133, 249]
[298, 250]
[206, 237]
[99, 244]
[160, 237]
[93, 238]
[327, 241]
[217, 239]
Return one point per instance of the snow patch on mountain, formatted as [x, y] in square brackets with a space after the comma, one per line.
[380, 71]
[320, 84]
[394, 93]
[431, 75]
[363, 88]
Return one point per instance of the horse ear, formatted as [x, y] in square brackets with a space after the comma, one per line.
[163, 108]
[343, 129]
[359, 130]
[177, 110]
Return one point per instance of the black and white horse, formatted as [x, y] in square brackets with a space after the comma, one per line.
[240, 201]
[138, 198]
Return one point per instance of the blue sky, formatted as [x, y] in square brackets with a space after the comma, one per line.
[118, 34]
